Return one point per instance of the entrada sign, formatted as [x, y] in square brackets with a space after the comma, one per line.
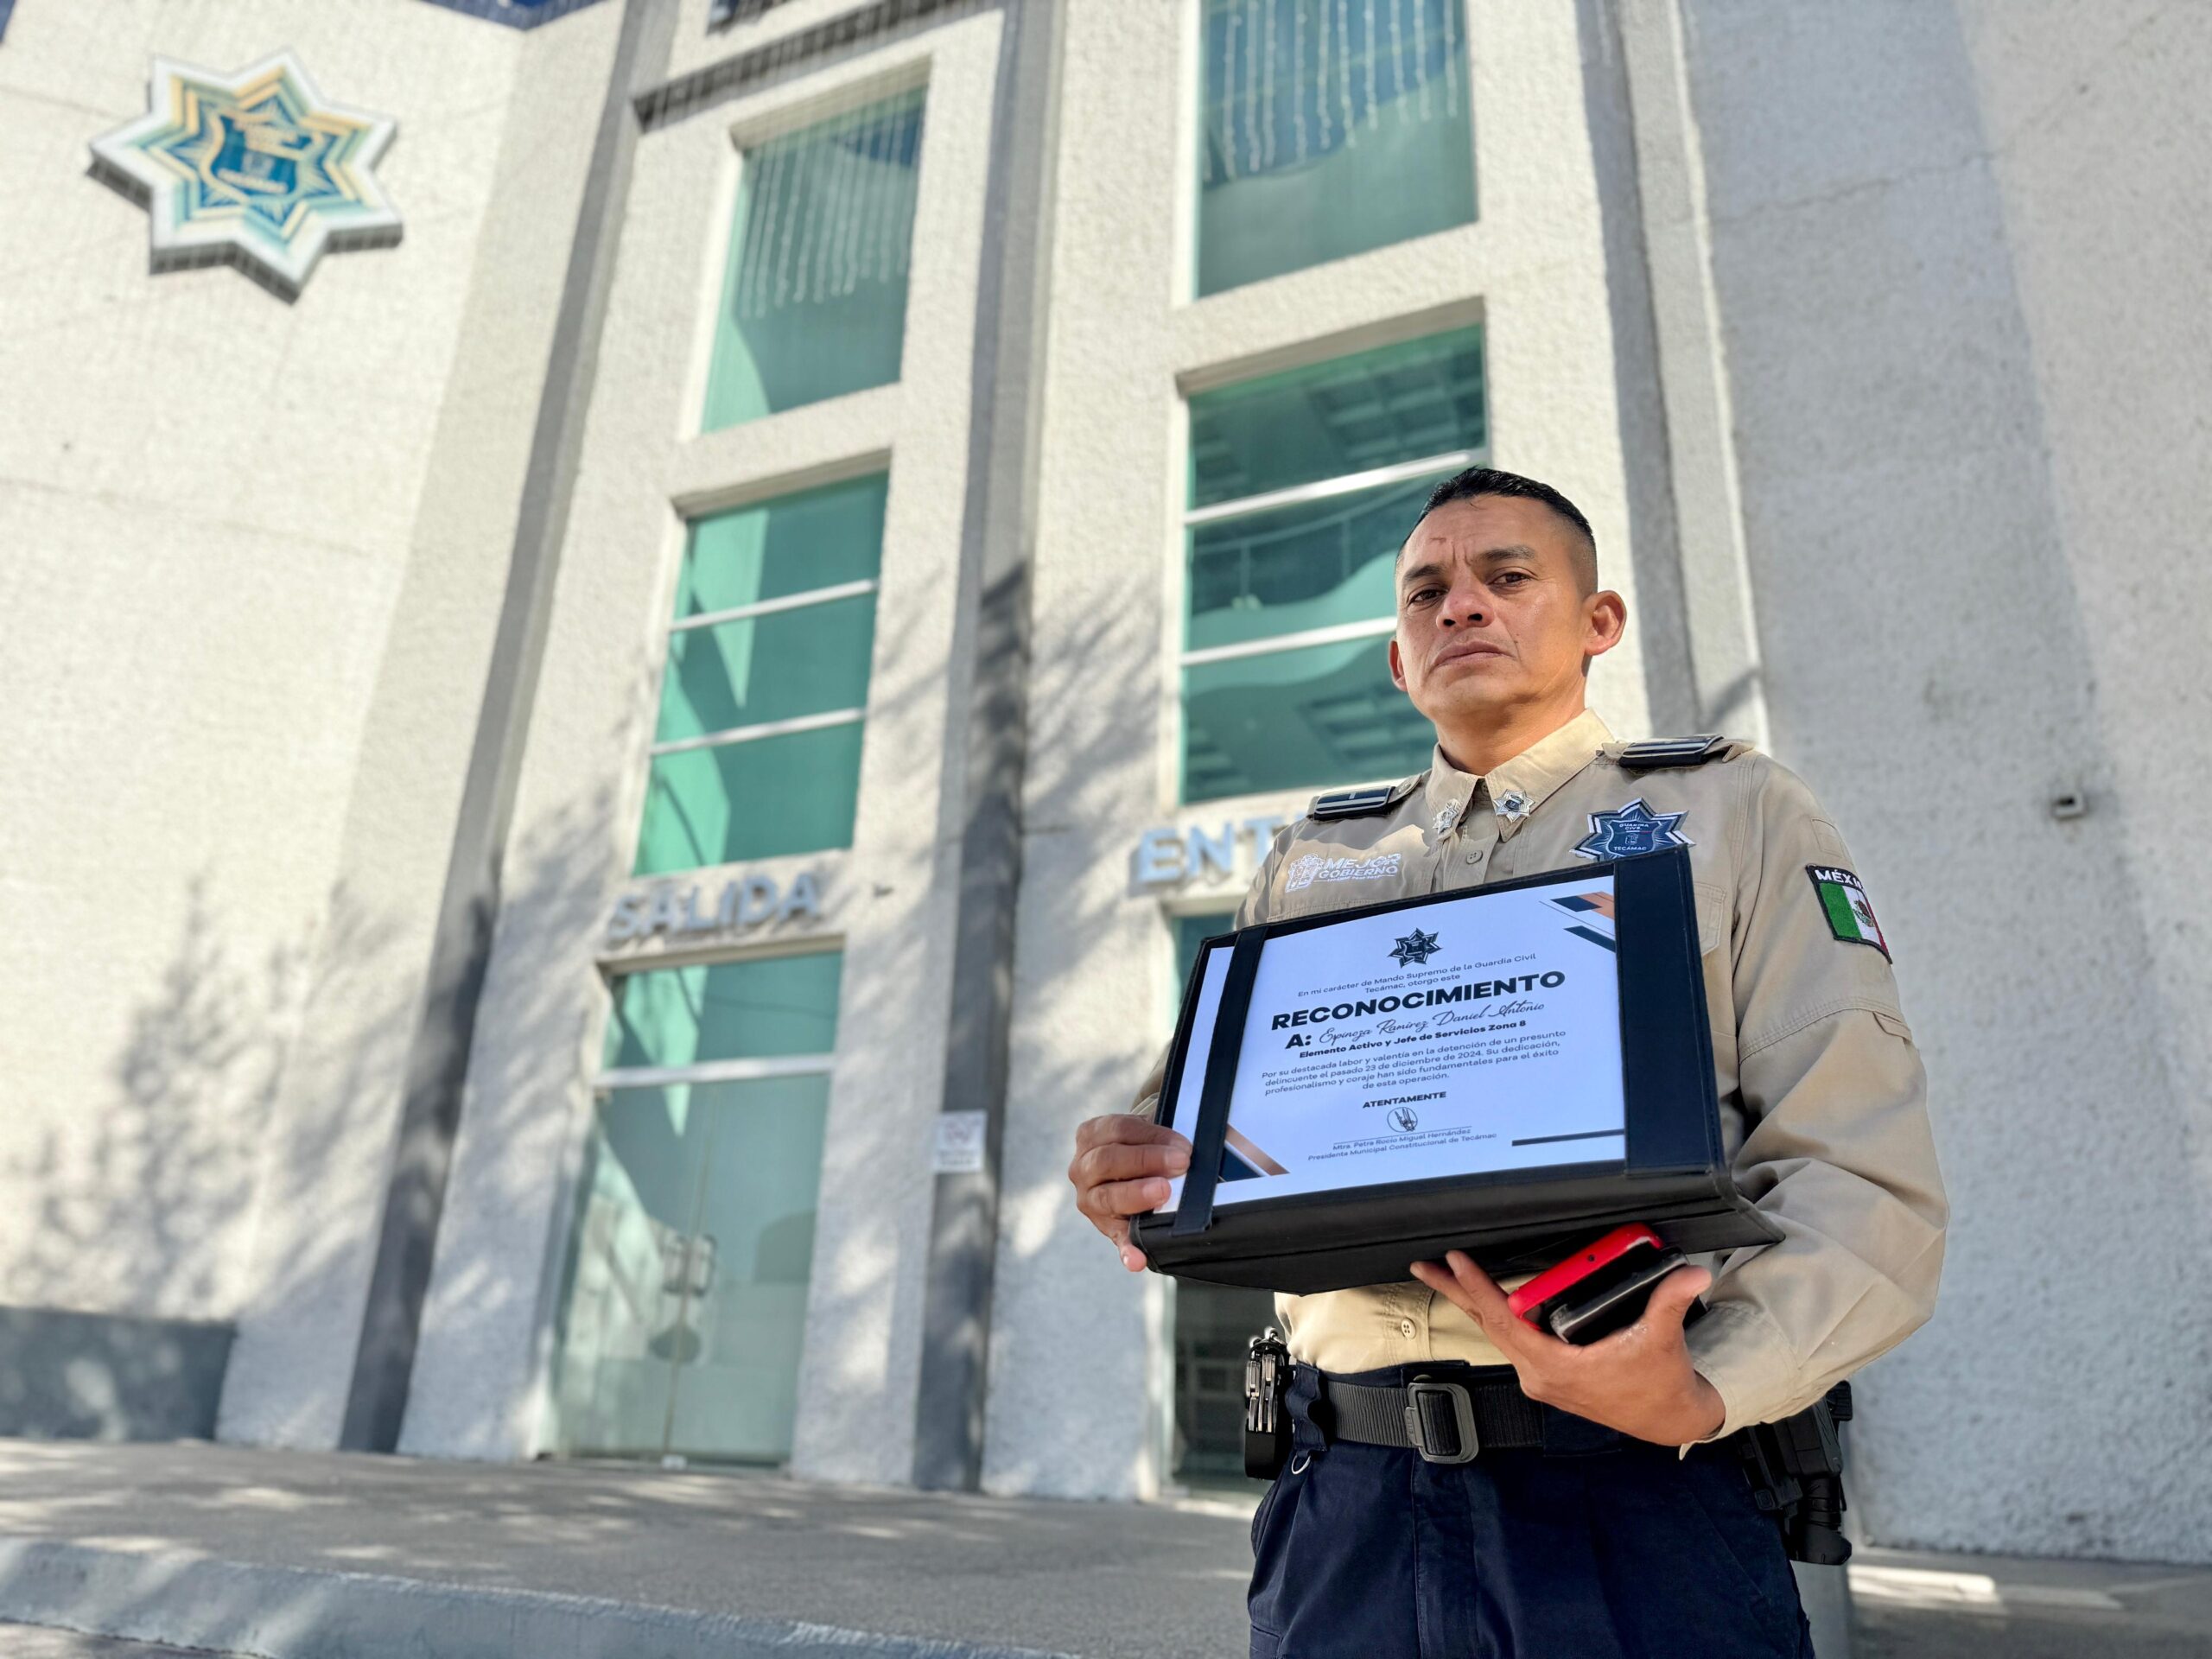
[744, 901]
[1166, 854]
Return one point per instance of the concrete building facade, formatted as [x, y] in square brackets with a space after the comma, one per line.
[637, 829]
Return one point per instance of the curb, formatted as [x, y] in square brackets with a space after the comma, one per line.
[281, 1612]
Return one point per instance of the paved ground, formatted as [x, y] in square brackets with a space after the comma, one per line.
[1095, 1579]
[163, 1524]
[28, 1642]
[1910, 1607]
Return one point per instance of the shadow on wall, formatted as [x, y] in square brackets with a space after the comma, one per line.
[239, 1168]
[496, 1291]
[1079, 1047]
[323, 1160]
[496, 1276]
[142, 1208]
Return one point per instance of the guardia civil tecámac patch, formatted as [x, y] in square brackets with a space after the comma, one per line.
[1844, 902]
[1631, 831]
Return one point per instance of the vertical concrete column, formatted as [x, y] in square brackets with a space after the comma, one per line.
[437, 1061]
[984, 763]
[1716, 583]
[1718, 606]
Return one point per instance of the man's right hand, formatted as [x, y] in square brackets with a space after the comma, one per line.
[1122, 1167]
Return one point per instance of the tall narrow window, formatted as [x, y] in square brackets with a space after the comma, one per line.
[685, 1296]
[1302, 485]
[1328, 127]
[758, 750]
[814, 295]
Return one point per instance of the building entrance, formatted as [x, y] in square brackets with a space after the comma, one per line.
[684, 1302]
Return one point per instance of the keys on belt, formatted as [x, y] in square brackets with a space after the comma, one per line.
[1267, 1424]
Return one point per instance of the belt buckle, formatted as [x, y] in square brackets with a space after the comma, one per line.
[1463, 1412]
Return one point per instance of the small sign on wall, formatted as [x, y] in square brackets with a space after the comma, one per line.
[754, 899]
[959, 1148]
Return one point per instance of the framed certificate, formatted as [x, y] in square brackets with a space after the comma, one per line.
[1507, 1070]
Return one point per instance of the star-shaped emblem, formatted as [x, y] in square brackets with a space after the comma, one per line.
[1630, 831]
[1416, 946]
[256, 170]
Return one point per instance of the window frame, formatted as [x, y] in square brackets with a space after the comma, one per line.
[750, 132]
[754, 729]
[1299, 495]
[605, 1079]
[1314, 353]
[602, 1082]
[687, 517]
[1190, 192]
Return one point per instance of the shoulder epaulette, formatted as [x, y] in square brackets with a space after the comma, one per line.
[1360, 802]
[1657, 754]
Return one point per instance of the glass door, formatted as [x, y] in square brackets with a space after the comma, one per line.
[750, 1253]
[684, 1308]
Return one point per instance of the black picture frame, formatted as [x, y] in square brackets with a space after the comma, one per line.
[1673, 1175]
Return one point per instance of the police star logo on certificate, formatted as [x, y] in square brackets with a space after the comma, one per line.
[1415, 947]
[256, 170]
[1631, 831]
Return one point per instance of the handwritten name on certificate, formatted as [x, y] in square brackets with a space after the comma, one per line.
[1470, 1036]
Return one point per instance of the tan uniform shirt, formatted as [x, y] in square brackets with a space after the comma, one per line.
[1823, 1102]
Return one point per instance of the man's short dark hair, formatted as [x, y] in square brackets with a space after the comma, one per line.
[1477, 481]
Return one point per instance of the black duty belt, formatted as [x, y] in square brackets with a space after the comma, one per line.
[1446, 1422]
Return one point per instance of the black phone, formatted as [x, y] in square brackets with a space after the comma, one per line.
[1612, 1297]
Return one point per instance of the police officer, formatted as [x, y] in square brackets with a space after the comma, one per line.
[1617, 1526]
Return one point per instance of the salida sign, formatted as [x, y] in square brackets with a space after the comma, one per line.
[745, 901]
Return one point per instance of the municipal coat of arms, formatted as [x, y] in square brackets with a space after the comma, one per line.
[256, 170]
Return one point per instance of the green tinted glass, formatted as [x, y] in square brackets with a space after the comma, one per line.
[792, 793]
[1311, 566]
[815, 539]
[1326, 129]
[725, 1011]
[809, 660]
[1375, 408]
[1190, 932]
[814, 295]
[684, 1300]
[1316, 716]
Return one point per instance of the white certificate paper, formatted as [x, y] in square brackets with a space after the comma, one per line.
[1470, 1036]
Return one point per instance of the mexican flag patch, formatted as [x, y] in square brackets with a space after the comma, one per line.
[1843, 900]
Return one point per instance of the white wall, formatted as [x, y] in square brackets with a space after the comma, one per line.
[1953, 251]
[328, 1149]
[230, 780]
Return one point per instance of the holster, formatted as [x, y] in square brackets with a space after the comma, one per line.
[1796, 1471]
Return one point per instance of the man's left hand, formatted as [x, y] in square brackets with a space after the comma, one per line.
[1638, 1380]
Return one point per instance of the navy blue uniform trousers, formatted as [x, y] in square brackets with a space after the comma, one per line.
[1597, 1546]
